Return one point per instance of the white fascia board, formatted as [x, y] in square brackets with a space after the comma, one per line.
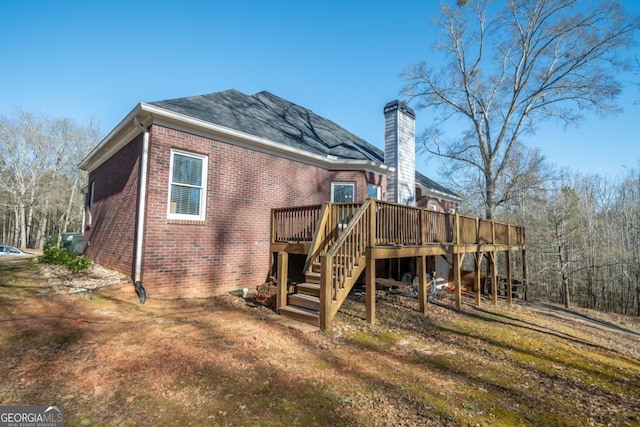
[113, 142]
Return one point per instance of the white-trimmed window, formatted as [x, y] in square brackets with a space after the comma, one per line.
[343, 192]
[187, 186]
[373, 191]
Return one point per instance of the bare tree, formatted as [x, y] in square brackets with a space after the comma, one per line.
[510, 65]
[22, 142]
[39, 178]
[564, 228]
[583, 241]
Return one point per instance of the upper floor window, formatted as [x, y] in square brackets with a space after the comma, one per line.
[187, 187]
[343, 192]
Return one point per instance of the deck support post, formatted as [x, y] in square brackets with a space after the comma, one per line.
[476, 277]
[509, 283]
[422, 283]
[283, 273]
[370, 290]
[524, 273]
[326, 292]
[456, 279]
[370, 268]
[525, 283]
[494, 278]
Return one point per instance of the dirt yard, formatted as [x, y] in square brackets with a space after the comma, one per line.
[86, 343]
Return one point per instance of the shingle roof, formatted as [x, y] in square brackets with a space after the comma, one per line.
[271, 117]
[268, 116]
[432, 185]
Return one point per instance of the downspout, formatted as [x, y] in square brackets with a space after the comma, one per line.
[142, 199]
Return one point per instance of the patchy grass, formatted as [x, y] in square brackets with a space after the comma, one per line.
[111, 361]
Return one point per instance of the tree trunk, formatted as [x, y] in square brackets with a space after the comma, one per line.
[22, 223]
[565, 291]
[67, 215]
[490, 194]
[42, 230]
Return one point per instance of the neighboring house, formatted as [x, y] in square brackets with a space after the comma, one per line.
[435, 197]
[180, 192]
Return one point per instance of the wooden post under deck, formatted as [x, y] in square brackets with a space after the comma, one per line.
[456, 264]
[508, 286]
[422, 283]
[283, 272]
[476, 272]
[476, 277]
[456, 279]
[326, 291]
[370, 270]
[370, 290]
[524, 274]
[494, 278]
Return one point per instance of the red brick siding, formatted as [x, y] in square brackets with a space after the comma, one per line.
[441, 205]
[109, 239]
[230, 249]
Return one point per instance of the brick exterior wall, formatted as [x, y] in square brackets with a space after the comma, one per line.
[109, 239]
[228, 250]
[442, 205]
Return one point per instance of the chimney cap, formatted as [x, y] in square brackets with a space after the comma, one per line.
[399, 105]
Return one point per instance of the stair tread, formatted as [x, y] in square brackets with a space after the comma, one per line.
[300, 314]
[309, 285]
[300, 310]
[305, 297]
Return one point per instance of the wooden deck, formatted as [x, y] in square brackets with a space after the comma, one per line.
[343, 241]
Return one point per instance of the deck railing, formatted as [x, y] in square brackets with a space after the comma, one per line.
[395, 225]
[295, 224]
[439, 227]
[332, 220]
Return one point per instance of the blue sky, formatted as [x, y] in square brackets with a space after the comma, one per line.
[341, 59]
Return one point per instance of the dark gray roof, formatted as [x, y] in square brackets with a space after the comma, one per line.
[431, 184]
[268, 116]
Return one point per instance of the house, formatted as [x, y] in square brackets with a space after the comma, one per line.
[180, 192]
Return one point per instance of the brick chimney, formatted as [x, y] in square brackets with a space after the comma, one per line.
[400, 152]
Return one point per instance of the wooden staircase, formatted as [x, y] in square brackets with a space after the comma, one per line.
[304, 304]
[334, 263]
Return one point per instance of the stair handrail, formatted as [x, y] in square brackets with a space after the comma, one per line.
[362, 210]
[339, 277]
[334, 273]
[319, 243]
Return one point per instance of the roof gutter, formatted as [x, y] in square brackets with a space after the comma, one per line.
[142, 199]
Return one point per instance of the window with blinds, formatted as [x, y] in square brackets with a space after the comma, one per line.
[187, 186]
